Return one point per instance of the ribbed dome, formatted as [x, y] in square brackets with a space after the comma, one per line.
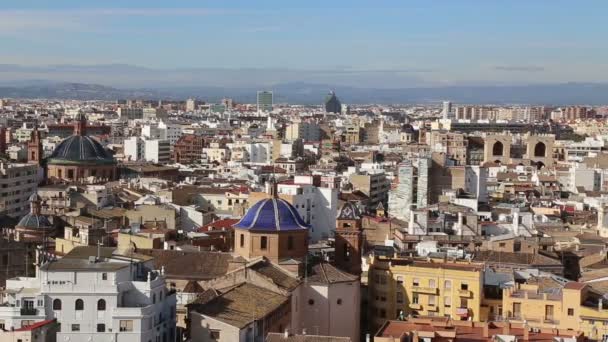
[33, 221]
[272, 215]
[80, 149]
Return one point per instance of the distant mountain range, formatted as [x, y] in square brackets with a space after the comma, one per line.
[311, 93]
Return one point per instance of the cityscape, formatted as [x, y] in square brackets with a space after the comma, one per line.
[269, 171]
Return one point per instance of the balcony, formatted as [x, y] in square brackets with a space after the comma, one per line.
[427, 290]
[462, 312]
[29, 312]
[465, 293]
[415, 306]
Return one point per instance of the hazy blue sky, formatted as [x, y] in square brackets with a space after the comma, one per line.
[426, 42]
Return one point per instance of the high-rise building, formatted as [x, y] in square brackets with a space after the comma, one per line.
[332, 104]
[265, 101]
[447, 110]
[190, 105]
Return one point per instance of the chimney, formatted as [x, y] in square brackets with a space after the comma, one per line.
[526, 333]
[486, 330]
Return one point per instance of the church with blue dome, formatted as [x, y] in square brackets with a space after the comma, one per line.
[271, 228]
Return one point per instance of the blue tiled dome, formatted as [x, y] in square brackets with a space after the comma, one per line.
[272, 215]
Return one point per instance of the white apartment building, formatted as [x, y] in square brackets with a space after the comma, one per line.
[17, 183]
[318, 206]
[259, 152]
[172, 131]
[151, 150]
[110, 298]
[157, 151]
[134, 148]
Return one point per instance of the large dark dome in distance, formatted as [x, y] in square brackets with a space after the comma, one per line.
[79, 149]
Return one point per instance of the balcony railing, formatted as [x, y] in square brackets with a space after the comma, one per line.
[464, 293]
[415, 306]
[29, 312]
[427, 290]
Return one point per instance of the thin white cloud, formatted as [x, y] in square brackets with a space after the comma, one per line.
[18, 20]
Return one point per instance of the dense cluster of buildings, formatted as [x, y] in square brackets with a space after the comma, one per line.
[189, 221]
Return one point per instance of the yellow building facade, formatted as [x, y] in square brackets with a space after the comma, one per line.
[400, 287]
[575, 307]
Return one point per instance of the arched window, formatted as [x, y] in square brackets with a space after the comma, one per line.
[497, 149]
[540, 150]
[57, 304]
[101, 305]
[79, 306]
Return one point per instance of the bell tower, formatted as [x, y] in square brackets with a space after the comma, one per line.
[34, 147]
[349, 239]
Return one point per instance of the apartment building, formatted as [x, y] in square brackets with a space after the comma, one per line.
[430, 287]
[374, 184]
[17, 183]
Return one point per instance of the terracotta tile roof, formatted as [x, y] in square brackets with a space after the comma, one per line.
[193, 287]
[190, 265]
[239, 305]
[280, 337]
[327, 274]
[218, 225]
[515, 258]
[276, 275]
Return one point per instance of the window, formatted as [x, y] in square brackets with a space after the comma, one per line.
[242, 242]
[290, 242]
[339, 301]
[432, 300]
[447, 285]
[416, 282]
[311, 302]
[126, 325]
[382, 313]
[399, 280]
[101, 327]
[464, 286]
[464, 303]
[40, 303]
[104, 276]
[214, 334]
[432, 283]
[101, 305]
[154, 298]
[399, 297]
[502, 244]
[75, 327]
[264, 242]
[570, 312]
[79, 305]
[447, 301]
[415, 298]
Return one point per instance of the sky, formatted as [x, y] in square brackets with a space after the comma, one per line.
[380, 43]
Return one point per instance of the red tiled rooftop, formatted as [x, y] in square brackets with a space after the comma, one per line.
[218, 225]
[36, 325]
